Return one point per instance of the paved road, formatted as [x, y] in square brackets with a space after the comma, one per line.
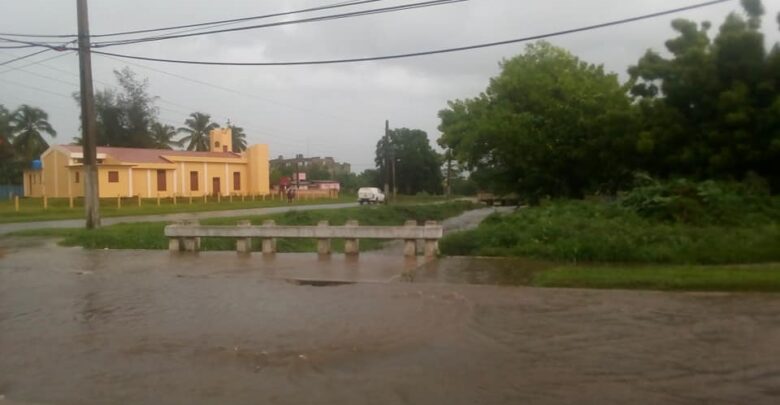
[77, 223]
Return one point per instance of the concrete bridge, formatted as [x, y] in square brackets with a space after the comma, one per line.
[186, 236]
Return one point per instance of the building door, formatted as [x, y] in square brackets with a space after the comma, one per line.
[215, 185]
[161, 184]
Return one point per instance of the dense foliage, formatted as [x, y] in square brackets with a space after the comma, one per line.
[627, 231]
[712, 109]
[552, 125]
[21, 140]
[417, 165]
[549, 124]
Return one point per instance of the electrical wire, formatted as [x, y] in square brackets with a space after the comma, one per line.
[423, 53]
[36, 62]
[24, 57]
[208, 23]
[403, 7]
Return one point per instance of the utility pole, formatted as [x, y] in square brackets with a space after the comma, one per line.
[88, 120]
[387, 166]
[449, 172]
[392, 165]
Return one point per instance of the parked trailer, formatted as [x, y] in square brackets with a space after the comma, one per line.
[492, 199]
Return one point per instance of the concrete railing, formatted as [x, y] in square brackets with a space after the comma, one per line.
[186, 236]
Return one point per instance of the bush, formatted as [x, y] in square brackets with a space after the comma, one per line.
[706, 202]
[608, 232]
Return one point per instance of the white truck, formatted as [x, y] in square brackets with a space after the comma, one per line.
[370, 195]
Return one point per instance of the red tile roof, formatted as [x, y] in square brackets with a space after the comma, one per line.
[139, 155]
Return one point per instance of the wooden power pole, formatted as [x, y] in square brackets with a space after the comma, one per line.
[88, 120]
[387, 158]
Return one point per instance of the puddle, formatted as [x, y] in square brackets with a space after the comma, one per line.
[320, 283]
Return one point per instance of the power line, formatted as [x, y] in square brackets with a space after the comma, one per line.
[35, 63]
[24, 57]
[208, 23]
[424, 4]
[235, 91]
[422, 53]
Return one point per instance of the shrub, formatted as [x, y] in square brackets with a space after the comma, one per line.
[706, 202]
[608, 232]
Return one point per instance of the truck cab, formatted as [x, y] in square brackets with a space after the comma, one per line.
[370, 195]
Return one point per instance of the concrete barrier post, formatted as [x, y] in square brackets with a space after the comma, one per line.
[158, 200]
[174, 199]
[351, 246]
[269, 244]
[431, 245]
[323, 245]
[219, 198]
[16, 203]
[244, 245]
[231, 197]
[190, 244]
[174, 244]
[139, 200]
[410, 245]
[118, 202]
[70, 201]
[45, 202]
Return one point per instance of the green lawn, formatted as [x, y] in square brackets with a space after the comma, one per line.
[149, 235]
[31, 209]
[760, 277]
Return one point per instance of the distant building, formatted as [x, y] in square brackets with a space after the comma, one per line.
[150, 173]
[302, 163]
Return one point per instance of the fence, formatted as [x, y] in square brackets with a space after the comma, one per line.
[9, 191]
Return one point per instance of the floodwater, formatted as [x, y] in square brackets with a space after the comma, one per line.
[149, 327]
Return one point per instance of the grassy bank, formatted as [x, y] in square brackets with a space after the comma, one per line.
[150, 235]
[583, 231]
[31, 209]
[763, 278]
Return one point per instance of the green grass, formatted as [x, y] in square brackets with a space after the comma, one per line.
[764, 277]
[580, 231]
[149, 235]
[31, 209]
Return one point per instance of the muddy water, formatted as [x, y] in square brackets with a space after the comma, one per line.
[117, 327]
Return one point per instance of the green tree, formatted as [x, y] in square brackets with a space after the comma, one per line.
[317, 172]
[197, 128]
[125, 115]
[10, 167]
[238, 138]
[162, 136]
[549, 124]
[6, 135]
[417, 165]
[28, 124]
[368, 178]
[711, 109]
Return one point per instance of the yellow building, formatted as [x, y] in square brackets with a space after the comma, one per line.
[151, 173]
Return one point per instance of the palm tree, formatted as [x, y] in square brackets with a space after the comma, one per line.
[239, 138]
[197, 127]
[27, 125]
[162, 136]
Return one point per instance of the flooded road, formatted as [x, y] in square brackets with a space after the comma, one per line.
[117, 327]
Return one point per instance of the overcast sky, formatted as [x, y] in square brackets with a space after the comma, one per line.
[327, 110]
